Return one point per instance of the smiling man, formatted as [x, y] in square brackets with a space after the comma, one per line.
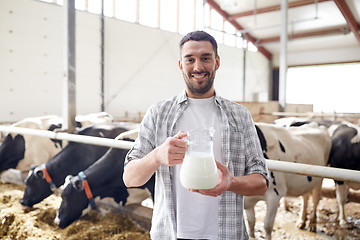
[199, 62]
[181, 213]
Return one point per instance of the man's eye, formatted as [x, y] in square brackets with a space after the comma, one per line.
[206, 59]
[189, 60]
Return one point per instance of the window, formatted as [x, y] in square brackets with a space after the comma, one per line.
[199, 14]
[126, 10]
[230, 37]
[186, 16]
[180, 16]
[108, 8]
[148, 13]
[168, 15]
[330, 88]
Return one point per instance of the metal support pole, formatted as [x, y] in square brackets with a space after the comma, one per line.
[102, 94]
[244, 68]
[283, 54]
[69, 81]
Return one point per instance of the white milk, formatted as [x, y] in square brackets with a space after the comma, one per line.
[199, 171]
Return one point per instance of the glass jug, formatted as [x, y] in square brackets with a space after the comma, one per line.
[199, 170]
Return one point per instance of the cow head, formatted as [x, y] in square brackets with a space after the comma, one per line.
[12, 150]
[73, 202]
[36, 187]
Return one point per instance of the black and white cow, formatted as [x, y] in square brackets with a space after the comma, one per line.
[104, 178]
[73, 158]
[19, 152]
[309, 144]
[345, 153]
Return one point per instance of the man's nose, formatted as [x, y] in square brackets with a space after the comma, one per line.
[198, 66]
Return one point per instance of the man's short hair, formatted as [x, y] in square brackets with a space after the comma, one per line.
[199, 36]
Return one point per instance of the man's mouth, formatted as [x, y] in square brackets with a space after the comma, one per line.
[199, 76]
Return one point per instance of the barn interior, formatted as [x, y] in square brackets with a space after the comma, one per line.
[78, 57]
[115, 56]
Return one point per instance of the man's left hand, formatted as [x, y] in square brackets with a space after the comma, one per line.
[224, 182]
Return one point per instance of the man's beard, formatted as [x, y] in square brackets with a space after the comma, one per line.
[199, 90]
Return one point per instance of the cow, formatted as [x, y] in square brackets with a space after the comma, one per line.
[292, 121]
[19, 152]
[309, 144]
[104, 179]
[75, 157]
[345, 153]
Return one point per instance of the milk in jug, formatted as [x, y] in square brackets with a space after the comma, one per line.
[198, 170]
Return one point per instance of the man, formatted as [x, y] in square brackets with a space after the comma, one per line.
[215, 213]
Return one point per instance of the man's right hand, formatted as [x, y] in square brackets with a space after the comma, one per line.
[138, 171]
[172, 151]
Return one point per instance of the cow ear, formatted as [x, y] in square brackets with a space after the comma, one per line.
[32, 167]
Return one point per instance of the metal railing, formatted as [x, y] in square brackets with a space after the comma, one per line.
[274, 165]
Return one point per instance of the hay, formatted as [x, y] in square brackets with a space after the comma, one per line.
[19, 222]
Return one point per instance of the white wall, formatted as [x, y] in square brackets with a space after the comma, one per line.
[141, 64]
[31, 60]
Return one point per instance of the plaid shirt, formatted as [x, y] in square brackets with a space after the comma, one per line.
[240, 148]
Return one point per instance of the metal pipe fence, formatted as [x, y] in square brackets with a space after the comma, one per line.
[274, 165]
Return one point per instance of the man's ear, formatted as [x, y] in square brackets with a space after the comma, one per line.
[180, 64]
[217, 62]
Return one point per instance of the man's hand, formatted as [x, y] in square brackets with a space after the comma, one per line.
[173, 150]
[224, 182]
[249, 185]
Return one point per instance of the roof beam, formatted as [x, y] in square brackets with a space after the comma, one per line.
[349, 17]
[330, 31]
[274, 8]
[238, 27]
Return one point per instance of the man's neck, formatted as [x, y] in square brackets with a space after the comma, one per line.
[208, 94]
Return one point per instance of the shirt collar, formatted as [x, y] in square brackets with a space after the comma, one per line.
[181, 98]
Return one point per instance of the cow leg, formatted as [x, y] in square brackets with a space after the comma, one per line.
[316, 195]
[250, 213]
[286, 204]
[272, 204]
[341, 195]
[249, 206]
[302, 220]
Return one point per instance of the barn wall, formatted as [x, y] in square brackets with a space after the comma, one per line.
[31, 60]
[141, 64]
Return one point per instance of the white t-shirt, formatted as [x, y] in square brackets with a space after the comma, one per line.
[197, 215]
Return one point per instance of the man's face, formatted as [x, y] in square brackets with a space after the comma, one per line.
[198, 65]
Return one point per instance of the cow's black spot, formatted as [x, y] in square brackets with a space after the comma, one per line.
[12, 150]
[282, 147]
[339, 182]
[261, 138]
[273, 177]
[298, 124]
[78, 124]
[54, 126]
[309, 178]
[277, 193]
[57, 143]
